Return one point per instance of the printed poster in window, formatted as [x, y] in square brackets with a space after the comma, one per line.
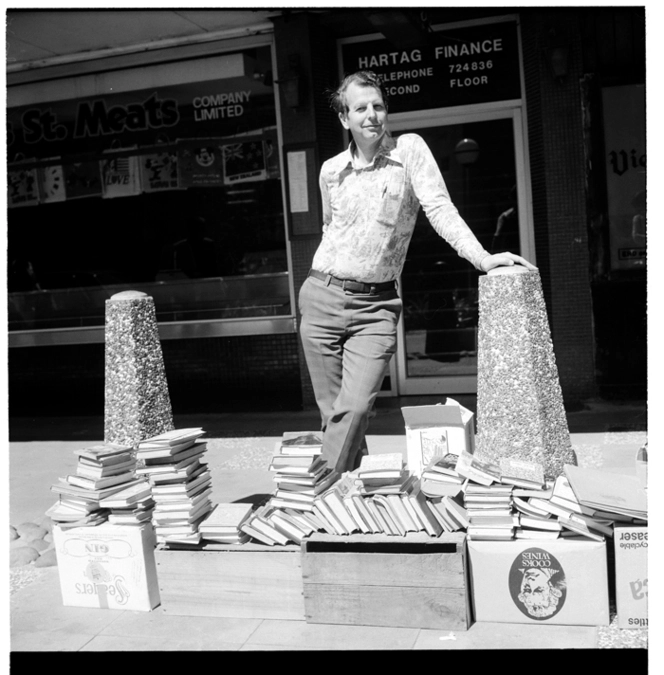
[625, 142]
[244, 162]
[51, 182]
[22, 187]
[200, 163]
[120, 176]
[159, 171]
[82, 179]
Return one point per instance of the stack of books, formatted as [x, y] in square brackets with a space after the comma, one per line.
[132, 506]
[441, 479]
[272, 525]
[384, 474]
[223, 522]
[490, 511]
[300, 473]
[181, 483]
[570, 516]
[102, 470]
[555, 511]
[535, 523]
[615, 495]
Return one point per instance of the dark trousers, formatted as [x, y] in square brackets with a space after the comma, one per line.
[348, 339]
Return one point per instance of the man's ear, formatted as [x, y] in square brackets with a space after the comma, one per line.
[344, 120]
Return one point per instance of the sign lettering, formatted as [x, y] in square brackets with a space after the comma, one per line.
[462, 66]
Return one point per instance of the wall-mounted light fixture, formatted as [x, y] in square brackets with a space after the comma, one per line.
[467, 151]
[291, 83]
[557, 54]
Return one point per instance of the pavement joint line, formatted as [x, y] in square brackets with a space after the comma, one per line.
[253, 632]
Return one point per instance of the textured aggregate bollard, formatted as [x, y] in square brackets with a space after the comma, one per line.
[520, 410]
[137, 403]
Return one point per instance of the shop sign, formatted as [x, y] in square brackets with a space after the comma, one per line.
[625, 142]
[461, 66]
[214, 108]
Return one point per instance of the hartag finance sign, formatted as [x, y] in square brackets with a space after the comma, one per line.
[463, 66]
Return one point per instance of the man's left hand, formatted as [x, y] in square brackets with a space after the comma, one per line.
[506, 259]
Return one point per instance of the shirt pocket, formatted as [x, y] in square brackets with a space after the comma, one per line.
[391, 198]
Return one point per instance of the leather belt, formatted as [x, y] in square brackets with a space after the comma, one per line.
[353, 286]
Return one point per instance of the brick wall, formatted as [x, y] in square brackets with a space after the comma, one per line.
[204, 375]
[556, 145]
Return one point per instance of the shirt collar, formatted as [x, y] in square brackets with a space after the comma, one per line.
[388, 148]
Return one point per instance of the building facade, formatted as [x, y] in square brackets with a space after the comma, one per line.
[190, 172]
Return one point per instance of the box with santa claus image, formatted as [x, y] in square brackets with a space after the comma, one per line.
[560, 581]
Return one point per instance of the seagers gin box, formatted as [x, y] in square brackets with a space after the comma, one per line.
[435, 431]
[631, 559]
[107, 566]
[562, 582]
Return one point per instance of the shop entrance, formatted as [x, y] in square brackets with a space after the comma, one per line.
[482, 159]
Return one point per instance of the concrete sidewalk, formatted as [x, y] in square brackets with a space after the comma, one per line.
[239, 449]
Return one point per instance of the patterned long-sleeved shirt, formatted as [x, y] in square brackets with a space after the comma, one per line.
[369, 213]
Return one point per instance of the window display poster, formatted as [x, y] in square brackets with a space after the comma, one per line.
[244, 161]
[121, 177]
[159, 171]
[51, 183]
[82, 179]
[624, 137]
[22, 188]
[200, 163]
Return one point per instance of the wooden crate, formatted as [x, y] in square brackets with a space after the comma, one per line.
[373, 580]
[244, 581]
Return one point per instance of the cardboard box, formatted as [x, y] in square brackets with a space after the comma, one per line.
[631, 561]
[107, 566]
[414, 581]
[561, 582]
[249, 581]
[434, 430]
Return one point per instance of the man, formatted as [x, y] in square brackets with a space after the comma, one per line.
[539, 595]
[371, 194]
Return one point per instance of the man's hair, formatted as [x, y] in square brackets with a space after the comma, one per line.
[363, 78]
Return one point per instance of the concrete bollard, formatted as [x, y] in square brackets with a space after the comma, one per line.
[137, 403]
[520, 412]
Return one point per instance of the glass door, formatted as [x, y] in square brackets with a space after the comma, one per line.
[481, 160]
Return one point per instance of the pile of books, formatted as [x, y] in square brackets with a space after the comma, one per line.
[357, 504]
[490, 511]
[223, 523]
[300, 474]
[514, 500]
[440, 478]
[272, 525]
[384, 474]
[132, 506]
[558, 513]
[299, 471]
[102, 470]
[180, 481]
[380, 497]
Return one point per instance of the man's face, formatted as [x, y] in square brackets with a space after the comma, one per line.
[366, 118]
[537, 594]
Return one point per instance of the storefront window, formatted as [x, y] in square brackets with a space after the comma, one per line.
[173, 190]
